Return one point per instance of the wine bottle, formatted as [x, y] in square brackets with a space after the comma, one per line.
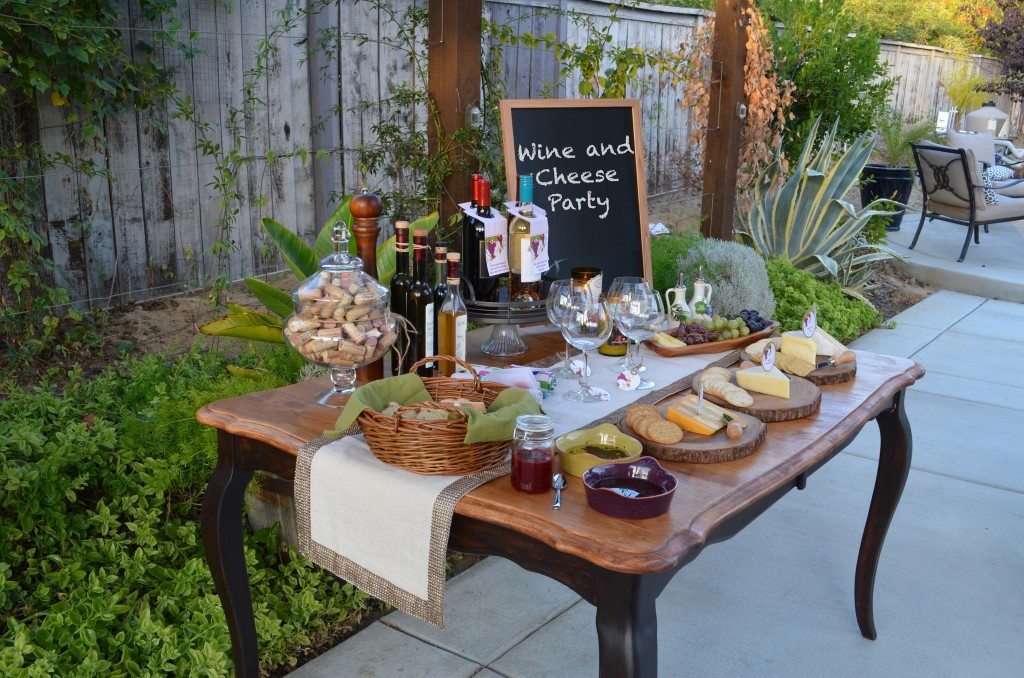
[452, 319]
[420, 304]
[484, 287]
[524, 284]
[440, 283]
[400, 284]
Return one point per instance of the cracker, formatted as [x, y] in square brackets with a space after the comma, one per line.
[637, 412]
[662, 431]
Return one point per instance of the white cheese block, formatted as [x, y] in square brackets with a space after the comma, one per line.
[800, 347]
[771, 382]
[824, 343]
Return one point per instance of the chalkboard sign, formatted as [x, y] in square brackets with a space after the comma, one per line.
[586, 158]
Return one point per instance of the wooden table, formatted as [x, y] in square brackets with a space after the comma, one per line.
[588, 552]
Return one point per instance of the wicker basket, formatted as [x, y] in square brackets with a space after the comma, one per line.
[435, 447]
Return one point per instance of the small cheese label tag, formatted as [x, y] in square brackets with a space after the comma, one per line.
[700, 396]
[768, 357]
[811, 321]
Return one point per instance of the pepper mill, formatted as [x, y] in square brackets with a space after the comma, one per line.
[366, 209]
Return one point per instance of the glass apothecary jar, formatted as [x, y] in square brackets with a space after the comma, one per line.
[341, 319]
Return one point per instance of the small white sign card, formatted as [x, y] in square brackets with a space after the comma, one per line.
[496, 240]
[810, 323]
[768, 357]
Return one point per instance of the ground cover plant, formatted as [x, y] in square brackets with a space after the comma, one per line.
[102, 570]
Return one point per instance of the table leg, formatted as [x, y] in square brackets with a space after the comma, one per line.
[222, 540]
[893, 468]
[627, 623]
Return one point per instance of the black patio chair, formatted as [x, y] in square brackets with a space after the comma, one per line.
[954, 192]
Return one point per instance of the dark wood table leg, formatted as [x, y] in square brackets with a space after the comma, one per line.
[222, 540]
[893, 468]
[627, 623]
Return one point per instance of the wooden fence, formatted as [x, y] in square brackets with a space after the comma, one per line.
[154, 224]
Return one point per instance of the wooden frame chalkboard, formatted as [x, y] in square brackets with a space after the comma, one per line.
[586, 157]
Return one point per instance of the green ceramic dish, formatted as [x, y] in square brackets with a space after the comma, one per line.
[578, 463]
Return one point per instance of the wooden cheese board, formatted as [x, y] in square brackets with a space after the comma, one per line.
[714, 346]
[835, 374]
[697, 449]
[804, 399]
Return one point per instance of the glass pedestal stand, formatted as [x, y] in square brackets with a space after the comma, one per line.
[506, 318]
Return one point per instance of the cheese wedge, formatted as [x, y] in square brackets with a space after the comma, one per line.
[800, 347]
[771, 382]
[825, 343]
[684, 413]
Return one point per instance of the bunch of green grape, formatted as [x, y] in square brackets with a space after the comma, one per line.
[725, 328]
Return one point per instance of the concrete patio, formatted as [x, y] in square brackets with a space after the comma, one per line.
[777, 600]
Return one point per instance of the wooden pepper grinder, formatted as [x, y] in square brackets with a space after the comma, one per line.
[366, 209]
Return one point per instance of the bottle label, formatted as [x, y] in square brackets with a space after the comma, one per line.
[461, 323]
[428, 333]
[528, 273]
[495, 245]
[534, 261]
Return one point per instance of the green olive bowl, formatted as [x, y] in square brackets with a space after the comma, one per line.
[578, 463]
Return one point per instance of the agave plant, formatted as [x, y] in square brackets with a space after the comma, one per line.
[303, 260]
[806, 218]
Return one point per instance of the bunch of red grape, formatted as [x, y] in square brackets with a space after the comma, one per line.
[694, 334]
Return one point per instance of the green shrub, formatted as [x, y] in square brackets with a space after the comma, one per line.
[735, 272]
[665, 253]
[102, 571]
[843, 317]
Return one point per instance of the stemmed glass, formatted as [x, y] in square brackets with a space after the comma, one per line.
[558, 313]
[639, 313]
[588, 326]
[625, 363]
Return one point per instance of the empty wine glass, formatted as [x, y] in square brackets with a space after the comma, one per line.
[625, 363]
[639, 313]
[587, 327]
[558, 312]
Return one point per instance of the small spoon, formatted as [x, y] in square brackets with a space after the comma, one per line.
[558, 482]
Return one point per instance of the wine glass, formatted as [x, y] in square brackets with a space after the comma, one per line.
[556, 304]
[625, 363]
[639, 313]
[587, 327]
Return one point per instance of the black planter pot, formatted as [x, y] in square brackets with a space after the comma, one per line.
[892, 183]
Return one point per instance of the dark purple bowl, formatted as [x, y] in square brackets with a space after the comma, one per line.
[641, 489]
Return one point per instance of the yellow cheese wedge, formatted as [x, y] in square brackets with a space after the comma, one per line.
[684, 413]
[825, 343]
[800, 347]
[771, 382]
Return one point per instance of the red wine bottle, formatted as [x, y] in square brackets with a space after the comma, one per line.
[481, 285]
[400, 284]
[420, 304]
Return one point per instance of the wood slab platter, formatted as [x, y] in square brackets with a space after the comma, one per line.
[804, 399]
[837, 374]
[714, 346]
[697, 449]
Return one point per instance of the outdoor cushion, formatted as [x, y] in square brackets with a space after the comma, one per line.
[1004, 209]
[955, 192]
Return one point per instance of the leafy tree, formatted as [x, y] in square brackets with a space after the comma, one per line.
[1003, 37]
[831, 57]
[924, 22]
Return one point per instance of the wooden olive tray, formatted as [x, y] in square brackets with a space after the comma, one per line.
[714, 346]
[837, 374]
[804, 399]
[697, 449]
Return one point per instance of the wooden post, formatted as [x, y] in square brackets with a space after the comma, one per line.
[727, 108]
[453, 81]
[366, 209]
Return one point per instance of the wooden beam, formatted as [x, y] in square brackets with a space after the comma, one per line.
[725, 119]
[453, 81]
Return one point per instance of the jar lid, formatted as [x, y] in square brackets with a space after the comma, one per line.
[534, 422]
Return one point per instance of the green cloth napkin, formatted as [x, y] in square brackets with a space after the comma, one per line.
[497, 424]
[377, 395]
[500, 421]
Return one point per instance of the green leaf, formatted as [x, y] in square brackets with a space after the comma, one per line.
[297, 254]
[251, 326]
[276, 300]
[324, 245]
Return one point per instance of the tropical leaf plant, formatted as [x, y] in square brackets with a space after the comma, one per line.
[805, 217]
[303, 260]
